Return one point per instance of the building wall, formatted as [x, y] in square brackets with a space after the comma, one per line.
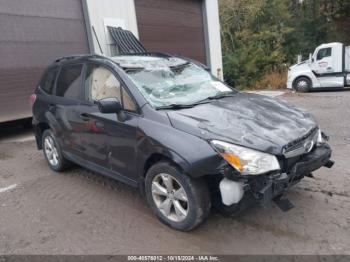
[187, 27]
[33, 34]
[99, 13]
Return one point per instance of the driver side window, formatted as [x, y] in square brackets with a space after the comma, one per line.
[325, 52]
[101, 83]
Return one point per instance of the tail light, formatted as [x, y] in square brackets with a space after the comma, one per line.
[32, 99]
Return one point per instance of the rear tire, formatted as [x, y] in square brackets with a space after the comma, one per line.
[53, 153]
[303, 85]
[182, 211]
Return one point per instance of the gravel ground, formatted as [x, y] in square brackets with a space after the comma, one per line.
[79, 212]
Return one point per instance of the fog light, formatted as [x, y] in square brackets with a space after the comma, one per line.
[231, 191]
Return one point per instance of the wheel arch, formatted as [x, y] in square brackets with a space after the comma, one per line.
[39, 130]
[302, 76]
[155, 157]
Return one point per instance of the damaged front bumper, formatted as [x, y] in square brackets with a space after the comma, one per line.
[273, 186]
[240, 194]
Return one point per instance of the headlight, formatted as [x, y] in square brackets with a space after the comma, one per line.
[246, 161]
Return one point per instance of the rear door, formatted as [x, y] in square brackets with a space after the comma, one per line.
[65, 102]
[107, 140]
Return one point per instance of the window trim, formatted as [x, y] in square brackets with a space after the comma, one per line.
[81, 82]
[123, 86]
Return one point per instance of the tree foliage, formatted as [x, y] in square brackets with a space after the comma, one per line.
[260, 37]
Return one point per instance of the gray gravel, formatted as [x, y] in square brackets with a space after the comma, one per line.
[79, 212]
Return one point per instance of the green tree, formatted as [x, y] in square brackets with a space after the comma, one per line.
[261, 37]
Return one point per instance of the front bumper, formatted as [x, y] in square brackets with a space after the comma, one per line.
[272, 186]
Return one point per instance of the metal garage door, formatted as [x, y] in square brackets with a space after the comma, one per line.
[33, 33]
[174, 26]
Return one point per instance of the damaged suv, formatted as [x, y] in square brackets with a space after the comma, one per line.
[164, 124]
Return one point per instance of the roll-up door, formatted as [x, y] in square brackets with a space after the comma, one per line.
[33, 34]
[174, 26]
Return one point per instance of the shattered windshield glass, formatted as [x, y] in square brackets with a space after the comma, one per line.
[175, 84]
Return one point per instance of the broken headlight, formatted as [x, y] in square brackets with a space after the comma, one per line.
[246, 161]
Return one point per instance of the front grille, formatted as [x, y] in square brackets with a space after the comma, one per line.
[302, 145]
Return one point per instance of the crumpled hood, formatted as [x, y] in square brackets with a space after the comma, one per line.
[254, 121]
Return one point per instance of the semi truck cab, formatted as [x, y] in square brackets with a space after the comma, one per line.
[327, 68]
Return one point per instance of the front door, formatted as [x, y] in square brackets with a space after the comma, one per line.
[323, 63]
[109, 141]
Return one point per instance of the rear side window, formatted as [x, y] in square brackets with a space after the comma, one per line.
[48, 80]
[69, 81]
[325, 52]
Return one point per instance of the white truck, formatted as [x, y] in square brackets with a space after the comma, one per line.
[327, 68]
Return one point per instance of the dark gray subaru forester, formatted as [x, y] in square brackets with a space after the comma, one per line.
[165, 125]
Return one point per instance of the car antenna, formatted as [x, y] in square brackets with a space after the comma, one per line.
[99, 45]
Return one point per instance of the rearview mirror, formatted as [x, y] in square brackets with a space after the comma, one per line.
[109, 106]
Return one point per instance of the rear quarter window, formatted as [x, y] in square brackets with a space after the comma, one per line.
[69, 81]
[48, 81]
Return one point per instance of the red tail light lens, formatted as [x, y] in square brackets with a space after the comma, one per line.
[32, 99]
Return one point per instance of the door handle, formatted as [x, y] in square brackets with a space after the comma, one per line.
[84, 116]
[51, 107]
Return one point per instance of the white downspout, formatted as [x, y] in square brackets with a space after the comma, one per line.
[213, 37]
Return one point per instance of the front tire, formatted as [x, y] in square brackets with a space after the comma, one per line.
[53, 153]
[303, 85]
[177, 200]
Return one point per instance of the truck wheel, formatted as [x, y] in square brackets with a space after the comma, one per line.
[177, 200]
[302, 84]
[53, 153]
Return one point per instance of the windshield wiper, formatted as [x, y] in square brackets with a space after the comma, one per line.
[206, 100]
[176, 106]
[218, 96]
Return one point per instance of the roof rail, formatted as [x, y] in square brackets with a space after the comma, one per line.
[71, 57]
[159, 54]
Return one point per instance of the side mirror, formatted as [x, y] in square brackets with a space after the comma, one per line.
[109, 106]
[311, 58]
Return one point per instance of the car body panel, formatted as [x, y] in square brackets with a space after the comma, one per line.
[193, 154]
[258, 122]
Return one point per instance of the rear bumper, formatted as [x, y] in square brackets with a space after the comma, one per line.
[275, 185]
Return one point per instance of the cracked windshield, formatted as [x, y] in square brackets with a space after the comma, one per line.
[180, 85]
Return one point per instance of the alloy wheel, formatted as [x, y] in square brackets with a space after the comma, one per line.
[302, 84]
[51, 151]
[170, 197]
